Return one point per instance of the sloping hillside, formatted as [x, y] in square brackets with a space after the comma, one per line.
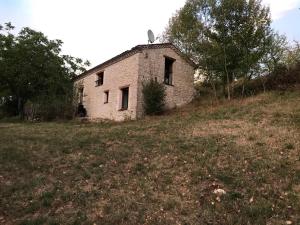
[161, 170]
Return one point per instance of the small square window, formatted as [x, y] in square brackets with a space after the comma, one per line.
[106, 96]
[100, 79]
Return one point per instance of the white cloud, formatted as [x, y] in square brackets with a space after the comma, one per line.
[280, 7]
[100, 29]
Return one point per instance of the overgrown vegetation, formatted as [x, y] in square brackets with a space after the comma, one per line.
[233, 44]
[281, 79]
[154, 94]
[35, 78]
[161, 170]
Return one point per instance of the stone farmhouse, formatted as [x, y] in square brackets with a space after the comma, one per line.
[113, 89]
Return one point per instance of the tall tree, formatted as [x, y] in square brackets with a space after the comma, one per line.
[292, 55]
[275, 52]
[31, 65]
[229, 36]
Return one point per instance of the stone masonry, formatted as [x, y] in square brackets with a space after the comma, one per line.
[130, 69]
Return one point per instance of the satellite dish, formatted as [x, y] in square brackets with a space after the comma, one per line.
[151, 37]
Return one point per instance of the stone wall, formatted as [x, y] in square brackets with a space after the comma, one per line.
[121, 74]
[152, 65]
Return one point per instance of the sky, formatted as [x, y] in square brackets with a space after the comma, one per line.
[97, 30]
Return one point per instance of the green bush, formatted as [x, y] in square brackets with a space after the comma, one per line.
[47, 108]
[154, 94]
[203, 90]
[281, 79]
[251, 87]
[8, 107]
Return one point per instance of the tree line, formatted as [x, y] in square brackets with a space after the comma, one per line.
[35, 75]
[230, 40]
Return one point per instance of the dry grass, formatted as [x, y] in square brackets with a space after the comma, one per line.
[161, 170]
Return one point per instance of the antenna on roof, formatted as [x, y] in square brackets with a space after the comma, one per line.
[151, 37]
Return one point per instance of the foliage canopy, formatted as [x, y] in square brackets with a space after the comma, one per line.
[32, 67]
[227, 38]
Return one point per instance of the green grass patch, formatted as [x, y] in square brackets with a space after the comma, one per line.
[161, 170]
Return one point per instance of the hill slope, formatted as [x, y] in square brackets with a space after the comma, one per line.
[161, 170]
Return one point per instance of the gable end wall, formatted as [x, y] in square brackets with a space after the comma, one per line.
[152, 64]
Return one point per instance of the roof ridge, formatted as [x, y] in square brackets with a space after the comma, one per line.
[132, 51]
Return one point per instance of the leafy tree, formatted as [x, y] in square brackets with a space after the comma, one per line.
[292, 55]
[275, 52]
[273, 59]
[184, 30]
[32, 66]
[227, 38]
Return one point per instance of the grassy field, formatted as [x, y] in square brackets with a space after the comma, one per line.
[161, 170]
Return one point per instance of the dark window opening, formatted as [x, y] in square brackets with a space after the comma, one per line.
[125, 95]
[106, 96]
[168, 79]
[100, 78]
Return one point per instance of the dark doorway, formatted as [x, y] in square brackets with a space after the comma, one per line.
[125, 94]
[168, 79]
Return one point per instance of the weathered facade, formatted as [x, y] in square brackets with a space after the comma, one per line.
[113, 89]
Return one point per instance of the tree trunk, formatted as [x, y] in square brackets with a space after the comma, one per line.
[263, 84]
[227, 75]
[215, 90]
[243, 88]
[224, 86]
[232, 85]
[228, 88]
[213, 85]
[21, 107]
